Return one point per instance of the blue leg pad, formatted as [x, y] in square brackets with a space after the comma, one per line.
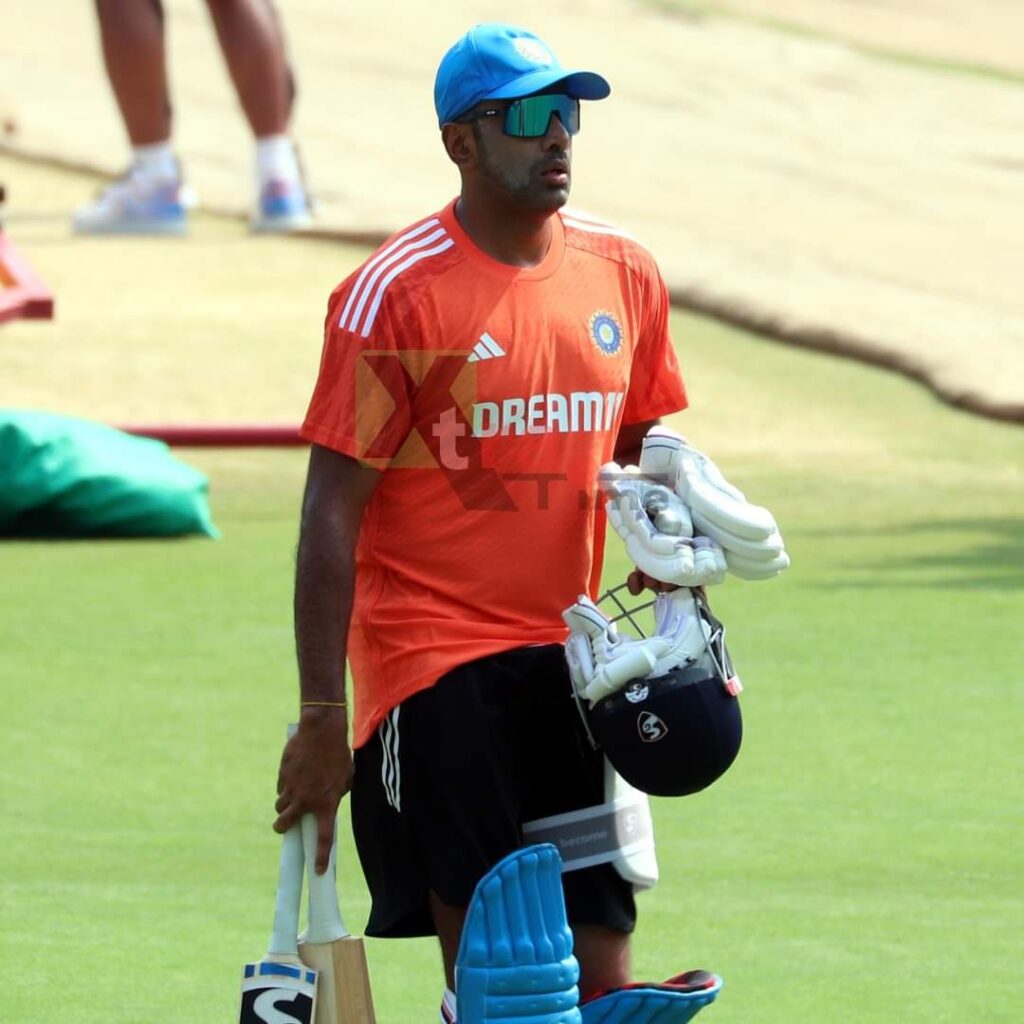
[672, 1002]
[515, 962]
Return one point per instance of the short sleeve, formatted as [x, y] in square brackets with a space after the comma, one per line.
[362, 401]
[656, 385]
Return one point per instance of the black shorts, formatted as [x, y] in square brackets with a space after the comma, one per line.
[443, 788]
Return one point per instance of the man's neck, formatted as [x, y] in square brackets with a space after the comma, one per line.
[507, 234]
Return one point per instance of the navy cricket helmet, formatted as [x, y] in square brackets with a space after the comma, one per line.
[677, 733]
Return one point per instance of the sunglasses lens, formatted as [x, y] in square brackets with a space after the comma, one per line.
[530, 116]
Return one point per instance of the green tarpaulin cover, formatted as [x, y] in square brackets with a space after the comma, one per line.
[67, 477]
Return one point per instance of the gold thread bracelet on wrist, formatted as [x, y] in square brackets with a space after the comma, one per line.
[324, 704]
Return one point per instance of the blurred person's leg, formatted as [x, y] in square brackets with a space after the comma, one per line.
[148, 198]
[132, 35]
[250, 36]
[252, 40]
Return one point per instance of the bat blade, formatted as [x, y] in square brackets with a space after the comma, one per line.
[280, 988]
[344, 995]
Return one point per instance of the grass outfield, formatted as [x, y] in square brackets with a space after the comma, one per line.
[860, 861]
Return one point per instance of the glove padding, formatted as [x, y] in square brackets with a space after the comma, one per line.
[657, 529]
[748, 534]
[602, 661]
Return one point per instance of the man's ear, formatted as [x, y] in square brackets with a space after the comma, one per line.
[459, 143]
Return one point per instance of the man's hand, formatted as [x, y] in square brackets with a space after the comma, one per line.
[638, 581]
[316, 772]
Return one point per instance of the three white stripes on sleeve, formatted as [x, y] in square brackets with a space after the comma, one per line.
[379, 272]
[419, 243]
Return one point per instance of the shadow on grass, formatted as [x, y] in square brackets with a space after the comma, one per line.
[985, 554]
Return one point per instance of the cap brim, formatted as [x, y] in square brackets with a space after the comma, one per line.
[581, 85]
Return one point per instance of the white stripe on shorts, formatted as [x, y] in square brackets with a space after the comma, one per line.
[390, 770]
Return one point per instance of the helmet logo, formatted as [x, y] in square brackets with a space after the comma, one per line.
[637, 692]
[651, 727]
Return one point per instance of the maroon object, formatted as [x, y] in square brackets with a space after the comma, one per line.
[198, 435]
[22, 292]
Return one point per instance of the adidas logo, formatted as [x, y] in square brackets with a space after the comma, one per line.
[485, 348]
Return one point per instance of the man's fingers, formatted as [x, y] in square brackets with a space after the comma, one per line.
[314, 773]
[324, 839]
[635, 583]
[284, 764]
[285, 819]
[638, 581]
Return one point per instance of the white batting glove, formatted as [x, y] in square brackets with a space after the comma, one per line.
[678, 622]
[747, 533]
[601, 661]
[657, 529]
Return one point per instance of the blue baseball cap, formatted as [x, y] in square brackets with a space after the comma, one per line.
[500, 62]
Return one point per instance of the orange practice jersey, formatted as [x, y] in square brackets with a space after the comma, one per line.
[490, 395]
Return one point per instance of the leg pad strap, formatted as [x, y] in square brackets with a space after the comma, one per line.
[672, 1002]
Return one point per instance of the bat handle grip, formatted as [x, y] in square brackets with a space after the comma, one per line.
[283, 939]
[325, 923]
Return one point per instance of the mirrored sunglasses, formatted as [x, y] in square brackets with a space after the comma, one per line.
[530, 116]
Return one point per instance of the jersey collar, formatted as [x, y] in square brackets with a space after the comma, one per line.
[547, 266]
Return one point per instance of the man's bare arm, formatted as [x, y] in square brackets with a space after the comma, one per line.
[316, 766]
[627, 444]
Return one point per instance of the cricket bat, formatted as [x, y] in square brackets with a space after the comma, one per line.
[343, 995]
[281, 988]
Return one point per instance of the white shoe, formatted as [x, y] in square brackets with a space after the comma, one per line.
[281, 206]
[133, 205]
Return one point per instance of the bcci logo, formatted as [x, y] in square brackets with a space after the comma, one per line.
[531, 50]
[651, 727]
[606, 332]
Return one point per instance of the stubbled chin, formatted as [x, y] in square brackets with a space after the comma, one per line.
[554, 198]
